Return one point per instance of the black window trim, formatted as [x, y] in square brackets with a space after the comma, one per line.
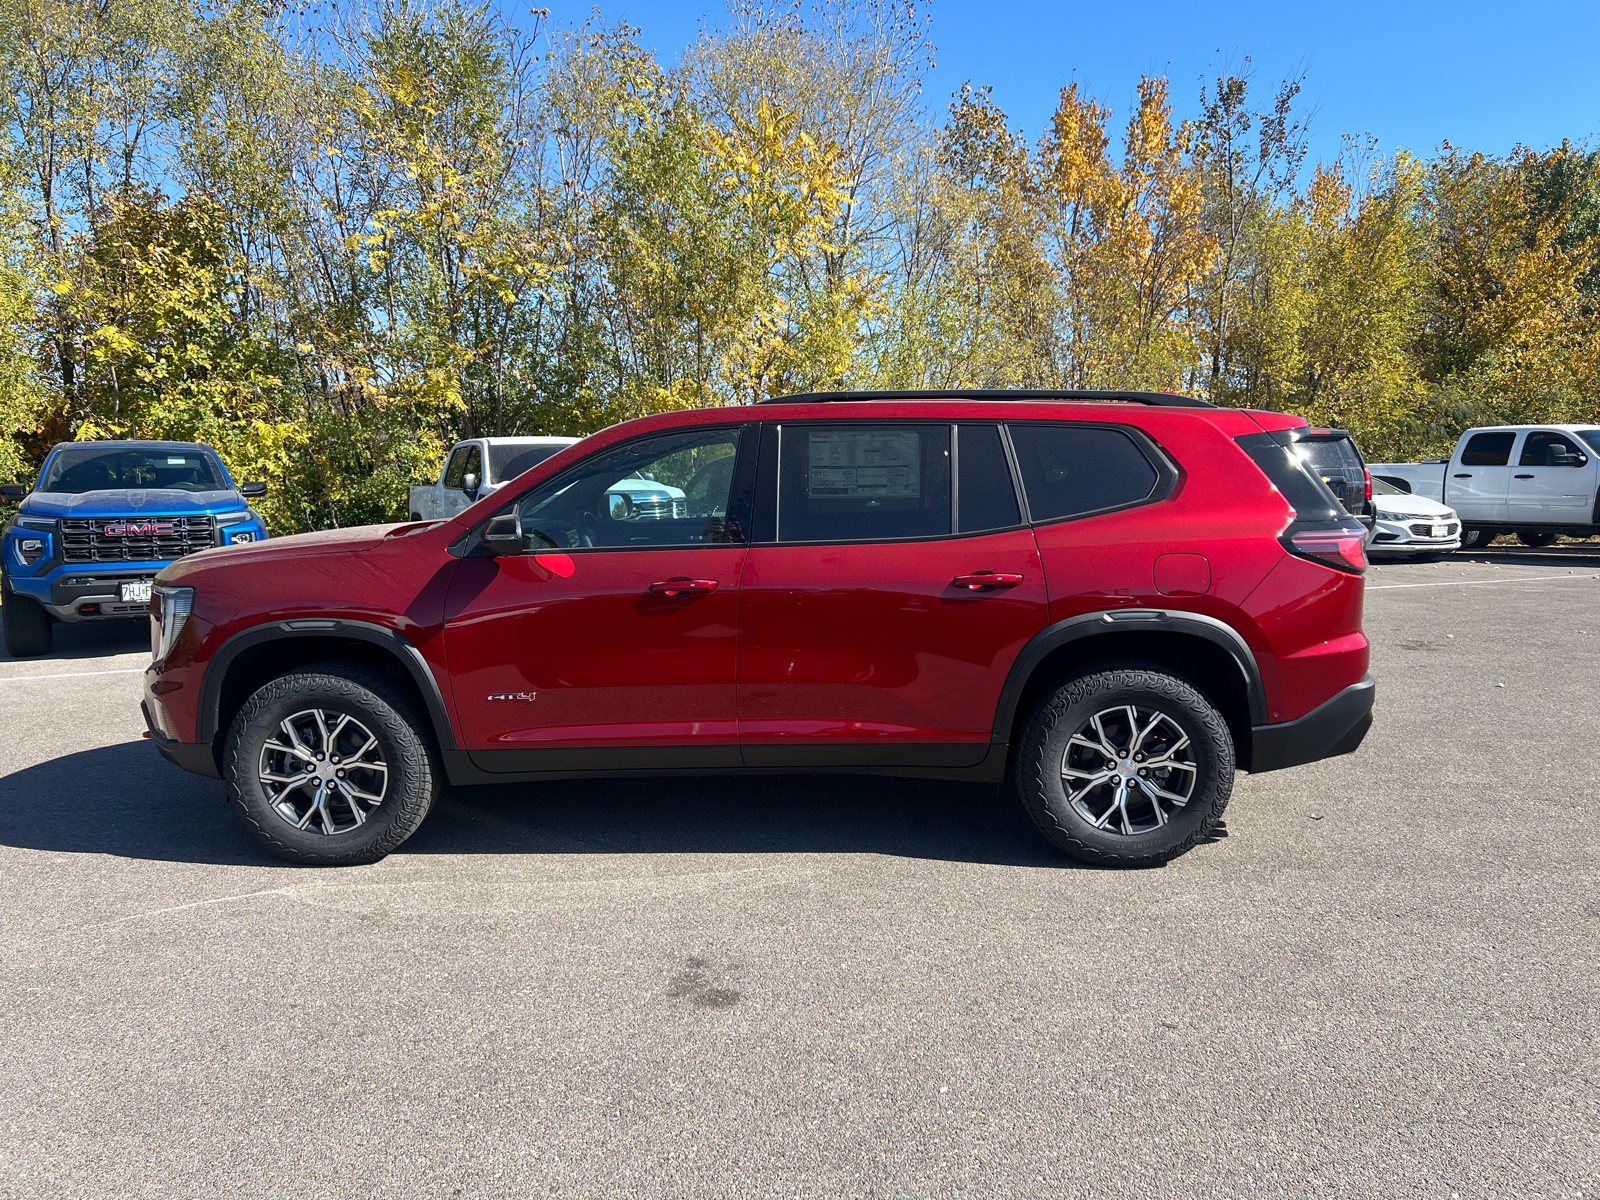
[1169, 475]
[742, 486]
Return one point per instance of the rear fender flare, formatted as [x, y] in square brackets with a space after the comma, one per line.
[1127, 620]
[392, 643]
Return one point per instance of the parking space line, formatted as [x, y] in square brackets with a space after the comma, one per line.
[71, 675]
[1384, 587]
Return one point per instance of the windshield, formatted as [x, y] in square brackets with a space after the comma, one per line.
[100, 468]
[507, 462]
[1592, 436]
[1327, 454]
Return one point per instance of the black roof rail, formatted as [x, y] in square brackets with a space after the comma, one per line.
[1158, 399]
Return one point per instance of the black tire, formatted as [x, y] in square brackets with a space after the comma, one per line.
[403, 746]
[28, 628]
[1047, 741]
[416, 516]
[1535, 538]
[1475, 539]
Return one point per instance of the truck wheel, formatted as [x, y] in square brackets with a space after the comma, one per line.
[330, 765]
[416, 516]
[1125, 766]
[1535, 537]
[1475, 539]
[27, 625]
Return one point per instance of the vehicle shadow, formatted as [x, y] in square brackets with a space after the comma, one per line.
[124, 800]
[92, 639]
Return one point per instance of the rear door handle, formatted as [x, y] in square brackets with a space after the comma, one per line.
[983, 581]
[681, 586]
[1524, 477]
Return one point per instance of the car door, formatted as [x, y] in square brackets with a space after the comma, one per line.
[1481, 478]
[610, 641]
[884, 607]
[1553, 483]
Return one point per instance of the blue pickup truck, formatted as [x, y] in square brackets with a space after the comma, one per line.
[104, 517]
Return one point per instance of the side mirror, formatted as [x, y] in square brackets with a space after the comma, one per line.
[253, 489]
[469, 484]
[622, 507]
[13, 491]
[502, 536]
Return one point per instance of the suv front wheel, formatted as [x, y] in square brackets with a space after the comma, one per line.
[329, 765]
[1125, 766]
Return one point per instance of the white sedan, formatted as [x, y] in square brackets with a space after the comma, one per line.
[1410, 525]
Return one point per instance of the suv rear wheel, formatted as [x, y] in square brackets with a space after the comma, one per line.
[1125, 766]
[329, 765]
[27, 625]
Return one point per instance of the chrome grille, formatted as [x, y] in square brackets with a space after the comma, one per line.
[147, 538]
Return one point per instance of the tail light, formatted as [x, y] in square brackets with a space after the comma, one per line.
[1341, 548]
[1368, 475]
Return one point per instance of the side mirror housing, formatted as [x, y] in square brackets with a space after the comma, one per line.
[502, 536]
[251, 490]
[470, 483]
[13, 491]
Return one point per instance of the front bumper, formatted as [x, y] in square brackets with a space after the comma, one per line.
[192, 757]
[1414, 535]
[1336, 727]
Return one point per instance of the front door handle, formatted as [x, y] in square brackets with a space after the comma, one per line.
[681, 586]
[983, 581]
[1524, 477]
[1468, 475]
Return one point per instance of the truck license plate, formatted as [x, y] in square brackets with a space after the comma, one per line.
[136, 592]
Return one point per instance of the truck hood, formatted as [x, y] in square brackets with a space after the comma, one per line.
[126, 501]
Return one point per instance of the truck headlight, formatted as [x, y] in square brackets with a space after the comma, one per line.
[169, 613]
[29, 549]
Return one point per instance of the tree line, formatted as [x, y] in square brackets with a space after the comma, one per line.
[331, 240]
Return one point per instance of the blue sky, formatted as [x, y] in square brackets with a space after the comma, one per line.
[1482, 76]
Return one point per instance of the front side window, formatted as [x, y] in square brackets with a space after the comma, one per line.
[670, 490]
[1073, 470]
[1538, 447]
[100, 468]
[863, 483]
[457, 467]
[474, 465]
[1488, 450]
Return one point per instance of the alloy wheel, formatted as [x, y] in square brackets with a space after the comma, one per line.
[326, 772]
[1127, 769]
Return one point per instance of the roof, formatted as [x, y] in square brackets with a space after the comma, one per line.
[1157, 399]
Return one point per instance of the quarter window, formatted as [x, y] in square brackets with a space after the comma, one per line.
[1071, 470]
[863, 483]
[670, 490]
[1488, 450]
[985, 497]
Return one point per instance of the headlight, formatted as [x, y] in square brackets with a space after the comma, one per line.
[169, 613]
[234, 518]
[29, 549]
[1390, 516]
[37, 523]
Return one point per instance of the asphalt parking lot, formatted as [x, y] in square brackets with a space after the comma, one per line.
[1381, 980]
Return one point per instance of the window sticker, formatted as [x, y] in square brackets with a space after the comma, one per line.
[852, 462]
[177, 462]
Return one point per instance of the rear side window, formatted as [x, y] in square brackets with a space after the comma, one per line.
[1488, 450]
[507, 462]
[1071, 470]
[985, 497]
[863, 483]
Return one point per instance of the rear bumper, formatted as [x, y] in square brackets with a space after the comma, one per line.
[1332, 729]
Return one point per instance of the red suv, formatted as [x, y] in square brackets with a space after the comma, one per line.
[1110, 600]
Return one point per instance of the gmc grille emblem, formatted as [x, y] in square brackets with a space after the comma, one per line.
[147, 529]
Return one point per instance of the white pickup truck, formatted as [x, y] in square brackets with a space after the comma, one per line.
[463, 480]
[1537, 481]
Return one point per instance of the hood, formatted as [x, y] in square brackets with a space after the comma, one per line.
[128, 501]
[1412, 506]
[295, 545]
